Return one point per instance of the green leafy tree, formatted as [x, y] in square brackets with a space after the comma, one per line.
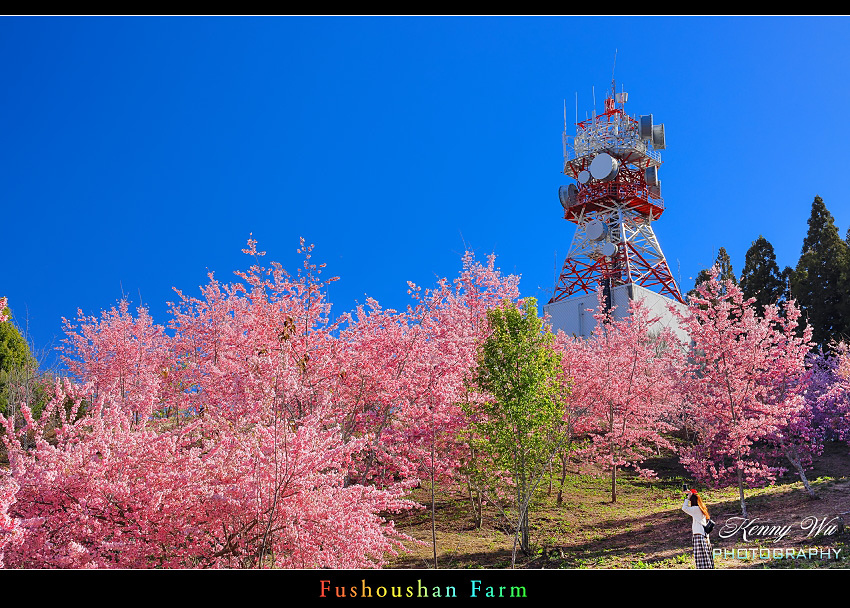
[13, 348]
[761, 278]
[521, 420]
[820, 283]
[16, 361]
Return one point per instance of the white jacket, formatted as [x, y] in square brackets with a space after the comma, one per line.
[698, 518]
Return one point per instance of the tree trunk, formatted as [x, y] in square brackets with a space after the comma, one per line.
[471, 496]
[476, 504]
[563, 479]
[526, 549]
[565, 461]
[433, 506]
[523, 506]
[800, 471]
[741, 490]
[521, 536]
[519, 531]
[614, 483]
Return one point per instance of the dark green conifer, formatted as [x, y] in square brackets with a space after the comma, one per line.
[761, 278]
[821, 281]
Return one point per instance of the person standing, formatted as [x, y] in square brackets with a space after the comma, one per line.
[695, 507]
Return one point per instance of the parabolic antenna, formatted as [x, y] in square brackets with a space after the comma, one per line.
[596, 230]
[562, 195]
[609, 249]
[583, 176]
[645, 128]
[604, 167]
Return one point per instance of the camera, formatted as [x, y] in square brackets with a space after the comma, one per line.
[685, 488]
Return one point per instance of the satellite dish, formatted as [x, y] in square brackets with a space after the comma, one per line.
[658, 137]
[645, 128]
[609, 249]
[583, 176]
[604, 167]
[650, 174]
[596, 230]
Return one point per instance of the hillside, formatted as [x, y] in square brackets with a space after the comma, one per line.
[645, 528]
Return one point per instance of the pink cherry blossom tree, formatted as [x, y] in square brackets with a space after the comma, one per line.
[251, 431]
[624, 381]
[252, 471]
[112, 493]
[453, 317]
[404, 375]
[121, 354]
[828, 392]
[743, 385]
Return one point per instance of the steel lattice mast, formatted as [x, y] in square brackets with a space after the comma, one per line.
[615, 159]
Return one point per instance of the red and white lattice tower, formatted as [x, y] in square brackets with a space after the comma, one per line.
[614, 159]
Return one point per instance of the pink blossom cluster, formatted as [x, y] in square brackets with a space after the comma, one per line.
[253, 431]
[828, 392]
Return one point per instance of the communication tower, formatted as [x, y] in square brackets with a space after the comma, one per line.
[614, 159]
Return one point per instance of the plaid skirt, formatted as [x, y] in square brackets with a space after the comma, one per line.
[702, 552]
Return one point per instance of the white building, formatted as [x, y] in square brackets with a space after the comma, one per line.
[575, 316]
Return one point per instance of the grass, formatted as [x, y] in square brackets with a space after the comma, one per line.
[644, 529]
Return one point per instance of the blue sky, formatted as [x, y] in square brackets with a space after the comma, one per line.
[140, 153]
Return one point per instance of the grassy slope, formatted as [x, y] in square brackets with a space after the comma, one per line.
[645, 528]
